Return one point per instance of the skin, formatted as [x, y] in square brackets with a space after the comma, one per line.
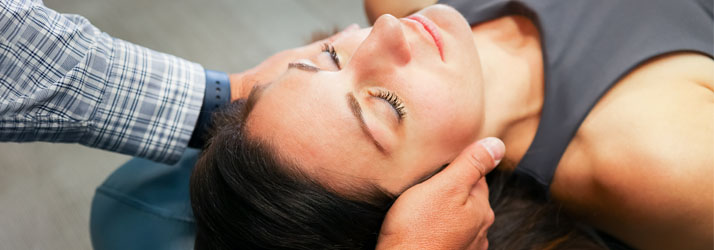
[459, 191]
[643, 150]
[640, 166]
[303, 112]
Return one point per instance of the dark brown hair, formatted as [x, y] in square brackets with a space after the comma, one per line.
[244, 196]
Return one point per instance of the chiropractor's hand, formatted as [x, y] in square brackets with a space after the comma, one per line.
[448, 211]
[270, 69]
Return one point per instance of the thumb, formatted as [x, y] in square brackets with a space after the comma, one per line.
[477, 160]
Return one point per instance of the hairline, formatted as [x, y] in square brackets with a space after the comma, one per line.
[354, 191]
[255, 93]
[370, 190]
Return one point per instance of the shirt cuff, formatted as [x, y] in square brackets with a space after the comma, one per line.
[150, 103]
[217, 93]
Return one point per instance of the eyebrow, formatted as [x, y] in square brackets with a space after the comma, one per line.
[303, 66]
[257, 91]
[357, 112]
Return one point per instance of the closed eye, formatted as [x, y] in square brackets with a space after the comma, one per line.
[393, 100]
[330, 49]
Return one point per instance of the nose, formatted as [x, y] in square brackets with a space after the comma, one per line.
[385, 45]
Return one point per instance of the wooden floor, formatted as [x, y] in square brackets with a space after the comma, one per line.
[46, 189]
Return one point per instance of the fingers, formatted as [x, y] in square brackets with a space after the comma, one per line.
[471, 166]
[480, 208]
[453, 204]
[480, 205]
[480, 189]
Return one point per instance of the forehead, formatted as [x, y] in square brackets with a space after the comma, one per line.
[308, 122]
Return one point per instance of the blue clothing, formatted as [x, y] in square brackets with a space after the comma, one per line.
[63, 80]
[145, 205]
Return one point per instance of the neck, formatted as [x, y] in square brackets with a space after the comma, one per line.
[512, 63]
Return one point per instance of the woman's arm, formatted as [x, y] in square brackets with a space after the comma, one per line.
[640, 166]
[397, 8]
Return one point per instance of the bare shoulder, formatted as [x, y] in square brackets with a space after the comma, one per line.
[662, 111]
[397, 8]
[646, 148]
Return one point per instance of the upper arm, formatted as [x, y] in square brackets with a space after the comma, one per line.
[641, 167]
[397, 8]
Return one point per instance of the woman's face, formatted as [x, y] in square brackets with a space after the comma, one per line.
[395, 106]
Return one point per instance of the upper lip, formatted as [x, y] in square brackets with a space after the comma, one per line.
[432, 29]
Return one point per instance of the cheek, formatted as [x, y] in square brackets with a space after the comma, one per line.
[450, 128]
[446, 116]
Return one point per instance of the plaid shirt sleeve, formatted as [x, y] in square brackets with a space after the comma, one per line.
[63, 80]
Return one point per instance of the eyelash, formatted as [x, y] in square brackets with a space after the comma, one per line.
[393, 100]
[388, 96]
[327, 47]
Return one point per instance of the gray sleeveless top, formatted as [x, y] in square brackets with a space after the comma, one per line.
[587, 46]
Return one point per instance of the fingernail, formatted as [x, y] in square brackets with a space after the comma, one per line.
[495, 148]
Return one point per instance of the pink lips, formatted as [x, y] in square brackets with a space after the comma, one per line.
[430, 27]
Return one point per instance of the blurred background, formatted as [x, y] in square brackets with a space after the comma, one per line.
[46, 189]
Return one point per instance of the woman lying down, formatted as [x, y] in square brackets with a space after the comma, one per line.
[605, 109]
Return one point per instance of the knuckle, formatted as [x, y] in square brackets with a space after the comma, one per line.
[478, 163]
[490, 218]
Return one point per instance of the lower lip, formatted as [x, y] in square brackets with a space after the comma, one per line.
[432, 29]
